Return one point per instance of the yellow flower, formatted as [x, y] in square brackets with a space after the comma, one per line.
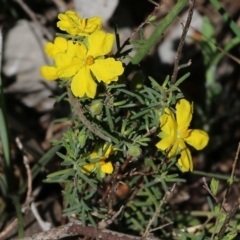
[81, 63]
[175, 134]
[76, 26]
[52, 49]
[59, 45]
[101, 164]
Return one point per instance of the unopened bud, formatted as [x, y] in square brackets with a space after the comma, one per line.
[96, 108]
[134, 150]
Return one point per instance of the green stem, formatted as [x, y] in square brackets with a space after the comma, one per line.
[18, 210]
[150, 42]
[214, 175]
[226, 17]
[4, 137]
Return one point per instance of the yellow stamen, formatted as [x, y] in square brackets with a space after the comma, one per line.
[183, 134]
[89, 60]
[83, 23]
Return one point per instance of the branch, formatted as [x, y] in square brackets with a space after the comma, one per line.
[182, 40]
[79, 111]
[75, 228]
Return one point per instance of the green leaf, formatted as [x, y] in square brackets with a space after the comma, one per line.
[109, 118]
[132, 95]
[160, 29]
[230, 236]
[214, 186]
[69, 171]
[184, 77]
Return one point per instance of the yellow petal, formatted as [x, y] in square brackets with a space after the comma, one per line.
[68, 15]
[63, 60]
[83, 83]
[59, 45]
[197, 138]
[81, 51]
[107, 167]
[49, 72]
[74, 25]
[168, 123]
[69, 22]
[184, 112]
[185, 160]
[100, 43]
[68, 71]
[66, 65]
[109, 150]
[166, 143]
[93, 24]
[76, 49]
[174, 149]
[88, 168]
[106, 70]
[94, 154]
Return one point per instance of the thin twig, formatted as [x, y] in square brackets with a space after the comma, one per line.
[29, 176]
[236, 205]
[231, 180]
[34, 18]
[228, 218]
[161, 227]
[79, 111]
[113, 187]
[147, 230]
[25, 206]
[210, 192]
[155, 10]
[182, 40]
[9, 228]
[106, 222]
[61, 5]
[235, 162]
[204, 224]
[44, 225]
[127, 41]
[216, 200]
[235, 59]
[126, 162]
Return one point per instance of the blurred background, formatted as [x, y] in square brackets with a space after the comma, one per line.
[32, 107]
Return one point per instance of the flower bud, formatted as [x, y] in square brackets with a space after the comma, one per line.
[82, 140]
[96, 108]
[134, 150]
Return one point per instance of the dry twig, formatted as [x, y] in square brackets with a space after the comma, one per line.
[147, 230]
[182, 40]
[29, 176]
[34, 18]
[210, 192]
[79, 111]
[237, 204]
[25, 206]
[75, 228]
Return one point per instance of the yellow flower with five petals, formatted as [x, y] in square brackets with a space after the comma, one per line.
[80, 64]
[175, 134]
[76, 26]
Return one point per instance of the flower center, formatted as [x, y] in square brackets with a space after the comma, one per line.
[183, 134]
[89, 61]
